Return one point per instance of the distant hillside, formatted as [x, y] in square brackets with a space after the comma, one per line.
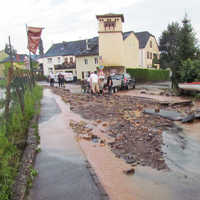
[3, 55]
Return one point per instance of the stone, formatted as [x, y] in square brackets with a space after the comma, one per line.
[189, 118]
[168, 114]
[129, 171]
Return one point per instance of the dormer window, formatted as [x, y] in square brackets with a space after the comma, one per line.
[66, 60]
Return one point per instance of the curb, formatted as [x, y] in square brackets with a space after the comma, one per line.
[97, 182]
[20, 186]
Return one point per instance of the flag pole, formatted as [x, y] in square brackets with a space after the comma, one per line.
[30, 60]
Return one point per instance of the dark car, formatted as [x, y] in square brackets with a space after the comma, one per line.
[126, 82]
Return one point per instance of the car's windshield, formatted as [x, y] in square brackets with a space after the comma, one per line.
[117, 76]
[127, 75]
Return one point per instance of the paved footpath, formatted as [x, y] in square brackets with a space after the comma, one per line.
[63, 174]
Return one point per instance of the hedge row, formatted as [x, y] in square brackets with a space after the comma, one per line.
[144, 75]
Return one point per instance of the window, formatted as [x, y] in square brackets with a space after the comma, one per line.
[58, 58]
[147, 55]
[96, 60]
[49, 60]
[150, 55]
[71, 59]
[150, 44]
[66, 60]
[86, 61]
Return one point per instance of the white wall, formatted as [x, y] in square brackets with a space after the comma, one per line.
[82, 67]
[47, 66]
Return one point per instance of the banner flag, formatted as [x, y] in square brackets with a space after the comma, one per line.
[34, 34]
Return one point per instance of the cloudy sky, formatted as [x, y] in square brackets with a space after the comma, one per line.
[67, 20]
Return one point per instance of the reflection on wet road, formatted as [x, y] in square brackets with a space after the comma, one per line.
[182, 181]
[62, 169]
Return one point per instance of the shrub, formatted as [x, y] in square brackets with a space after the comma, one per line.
[144, 75]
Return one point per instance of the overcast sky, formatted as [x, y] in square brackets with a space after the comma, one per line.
[68, 20]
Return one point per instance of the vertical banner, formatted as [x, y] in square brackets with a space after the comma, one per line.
[34, 34]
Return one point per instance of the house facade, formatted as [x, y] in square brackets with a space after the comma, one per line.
[148, 49]
[61, 57]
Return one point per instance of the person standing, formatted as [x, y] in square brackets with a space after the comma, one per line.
[51, 76]
[60, 80]
[101, 78]
[109, 84]
[94, 82]
[88, 87]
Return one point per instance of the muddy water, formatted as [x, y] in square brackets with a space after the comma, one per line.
[182, 155]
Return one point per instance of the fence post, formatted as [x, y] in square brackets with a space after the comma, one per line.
[8, 93]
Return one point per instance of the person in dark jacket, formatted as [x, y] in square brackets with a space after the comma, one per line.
[60, 80]
[109, 84]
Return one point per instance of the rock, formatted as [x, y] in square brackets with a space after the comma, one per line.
[142, 92]
[102, 143]
[129, 171]
[130, 161]
[189, 118]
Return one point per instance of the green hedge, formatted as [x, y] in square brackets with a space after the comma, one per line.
[144, 75]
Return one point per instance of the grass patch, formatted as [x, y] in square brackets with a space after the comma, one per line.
[13, 142]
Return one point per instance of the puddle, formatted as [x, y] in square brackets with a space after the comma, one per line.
[182, 181]
[49, 108]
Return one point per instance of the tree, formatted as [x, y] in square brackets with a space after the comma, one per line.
[41, 49]
[187, 41]
[190, 70]
[169, 45]
[8, 51]
[177, 45]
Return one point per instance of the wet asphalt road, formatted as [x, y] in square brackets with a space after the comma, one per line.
[62, 168]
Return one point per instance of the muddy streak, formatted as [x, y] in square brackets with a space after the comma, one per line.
[108, 168]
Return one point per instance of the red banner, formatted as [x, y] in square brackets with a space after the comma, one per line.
[34, 35]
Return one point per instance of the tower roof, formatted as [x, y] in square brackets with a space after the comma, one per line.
[111, 15]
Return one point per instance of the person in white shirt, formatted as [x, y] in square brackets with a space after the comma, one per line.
[51, 77]
[94, 82]
[101, 81]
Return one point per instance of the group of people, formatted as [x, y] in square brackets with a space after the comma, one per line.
[97, 82]
[61, 79]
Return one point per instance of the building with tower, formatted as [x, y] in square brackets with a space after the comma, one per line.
[114, 49]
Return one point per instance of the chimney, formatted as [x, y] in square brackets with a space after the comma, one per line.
[87, 46]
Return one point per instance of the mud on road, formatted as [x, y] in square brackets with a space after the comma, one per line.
[137, 136]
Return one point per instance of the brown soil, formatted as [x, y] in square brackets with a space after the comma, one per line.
[137, 137]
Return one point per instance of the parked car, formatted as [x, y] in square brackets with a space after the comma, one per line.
[68, 76]
[124, 81]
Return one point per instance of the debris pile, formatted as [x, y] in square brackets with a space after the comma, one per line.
[137, 136]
